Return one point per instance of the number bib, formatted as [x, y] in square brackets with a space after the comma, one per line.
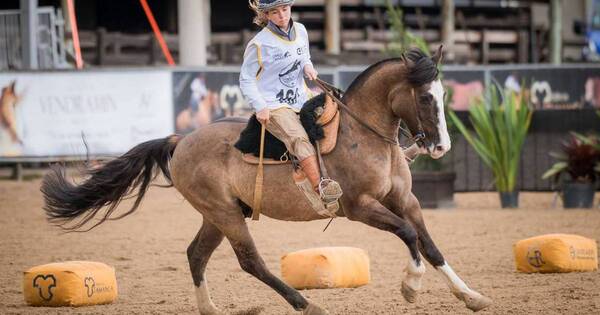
[281, 78]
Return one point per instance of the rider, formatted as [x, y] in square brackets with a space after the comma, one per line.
[272, 79]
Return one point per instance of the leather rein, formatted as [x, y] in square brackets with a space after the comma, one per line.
[420, 135]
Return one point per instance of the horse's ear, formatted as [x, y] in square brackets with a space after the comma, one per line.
[407, 62]
[11, 86]
[437, 57]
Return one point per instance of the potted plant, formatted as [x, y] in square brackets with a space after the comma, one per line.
[577, 169]
[433, 182]
[501, 122]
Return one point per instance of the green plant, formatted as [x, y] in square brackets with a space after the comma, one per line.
[579, 158]
[501, 122]
[402, 39]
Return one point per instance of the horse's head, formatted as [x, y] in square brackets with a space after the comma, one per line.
[421, 106]
[8, 94]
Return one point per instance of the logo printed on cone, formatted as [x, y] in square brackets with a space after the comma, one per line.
[534, 257]
[45, 283]
[89, 284]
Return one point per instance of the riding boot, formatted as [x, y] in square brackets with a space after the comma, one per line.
[329, 190]
[310, 166]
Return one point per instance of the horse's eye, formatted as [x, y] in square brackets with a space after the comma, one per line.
[426, 99]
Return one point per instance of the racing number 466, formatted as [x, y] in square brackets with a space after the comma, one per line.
[287, 96]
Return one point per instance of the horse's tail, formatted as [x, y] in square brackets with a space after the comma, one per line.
[127, 176]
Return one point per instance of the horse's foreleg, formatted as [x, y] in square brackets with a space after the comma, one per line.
[473, 300]
[251, 262]
[199, 252]
[371, 212]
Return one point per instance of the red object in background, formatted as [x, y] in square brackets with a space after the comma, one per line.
[157, 33]
[75, 34]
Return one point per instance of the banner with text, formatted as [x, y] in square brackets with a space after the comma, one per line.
[51, 114]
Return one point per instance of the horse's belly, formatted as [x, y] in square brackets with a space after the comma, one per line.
[281, 198]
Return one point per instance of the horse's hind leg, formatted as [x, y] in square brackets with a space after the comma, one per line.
[199, 251]
[473, 300]
[250, 261]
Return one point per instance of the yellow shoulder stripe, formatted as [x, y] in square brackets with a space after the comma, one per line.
[260, 64]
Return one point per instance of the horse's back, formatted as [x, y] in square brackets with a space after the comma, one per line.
[207, 148]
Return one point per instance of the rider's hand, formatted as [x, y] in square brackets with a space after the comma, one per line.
[310, 72]
[263, 116]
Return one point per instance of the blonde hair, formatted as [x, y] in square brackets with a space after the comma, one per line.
[260, 17]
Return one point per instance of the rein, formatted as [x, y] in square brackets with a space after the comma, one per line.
[328, 88]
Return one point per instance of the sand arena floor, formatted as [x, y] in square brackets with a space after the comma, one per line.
[148, 251]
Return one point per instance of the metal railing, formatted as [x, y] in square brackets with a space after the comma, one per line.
[51, 49]
[10, 40]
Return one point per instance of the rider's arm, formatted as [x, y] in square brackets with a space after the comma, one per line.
[249, 75]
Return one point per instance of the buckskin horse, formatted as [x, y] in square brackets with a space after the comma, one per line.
[367, 161]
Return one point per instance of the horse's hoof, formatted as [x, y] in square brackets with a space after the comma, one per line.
[312, 309]
[474, 301]
[409, 294]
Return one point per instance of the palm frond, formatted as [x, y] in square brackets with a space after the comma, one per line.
[500, 126]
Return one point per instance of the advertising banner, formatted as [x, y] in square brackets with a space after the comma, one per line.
[200, 97]
[554, 87]
[50, 114]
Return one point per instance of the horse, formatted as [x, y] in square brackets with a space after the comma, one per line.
[8, 102]
[367, 161]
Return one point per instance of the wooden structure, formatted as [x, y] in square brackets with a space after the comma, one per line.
[479, 32]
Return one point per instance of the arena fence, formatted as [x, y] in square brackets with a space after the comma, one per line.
[114, 109]
[52, 52]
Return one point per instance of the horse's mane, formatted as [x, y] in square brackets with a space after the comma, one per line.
[363, 76]
[421, 70]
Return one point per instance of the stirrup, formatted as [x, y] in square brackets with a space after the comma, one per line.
[330, 191]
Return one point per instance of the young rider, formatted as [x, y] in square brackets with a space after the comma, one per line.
[275, 63]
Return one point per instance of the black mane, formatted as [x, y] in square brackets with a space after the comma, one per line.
[422, 70]
[362, 77]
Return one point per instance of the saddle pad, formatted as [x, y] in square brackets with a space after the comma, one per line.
[329, 112]
[330, 130]
[320, 117]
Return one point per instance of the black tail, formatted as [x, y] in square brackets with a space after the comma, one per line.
[106, 185]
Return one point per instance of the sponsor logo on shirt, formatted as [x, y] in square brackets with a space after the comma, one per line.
[281, 55]
[289, 75]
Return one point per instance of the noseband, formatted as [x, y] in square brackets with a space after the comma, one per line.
[418, 137]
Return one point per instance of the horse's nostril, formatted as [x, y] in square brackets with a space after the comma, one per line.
[439, 148]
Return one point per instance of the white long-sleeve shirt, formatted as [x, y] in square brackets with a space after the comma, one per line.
[272, 73]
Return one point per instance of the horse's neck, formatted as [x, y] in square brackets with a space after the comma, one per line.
[370, 104]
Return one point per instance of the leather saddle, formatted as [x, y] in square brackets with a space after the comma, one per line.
[320, 117]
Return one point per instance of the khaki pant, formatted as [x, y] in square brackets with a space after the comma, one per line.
[285, 125]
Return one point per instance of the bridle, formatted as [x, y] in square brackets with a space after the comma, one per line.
[418, 137]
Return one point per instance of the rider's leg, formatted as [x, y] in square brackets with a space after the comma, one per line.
[285, 125]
